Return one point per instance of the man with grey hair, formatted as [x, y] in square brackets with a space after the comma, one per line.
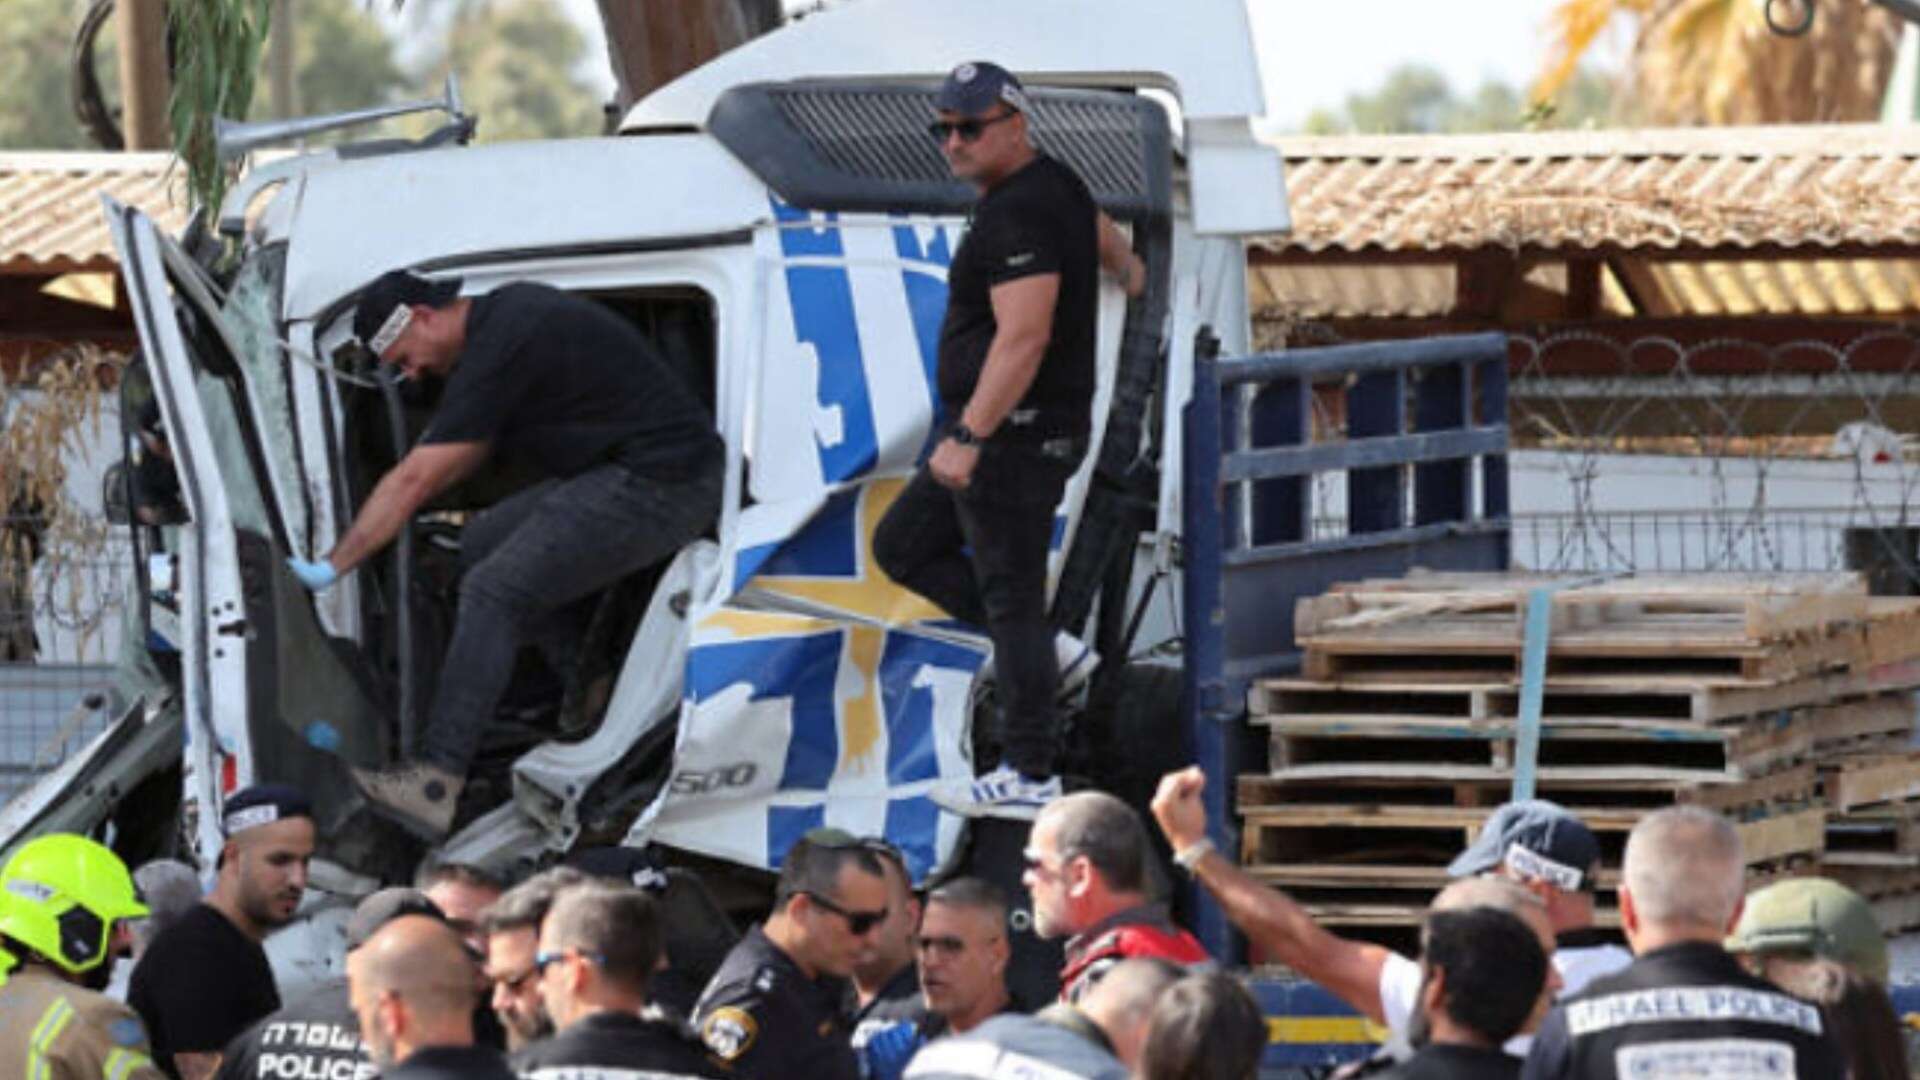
[1089, 874]
[511, 926]
[599, 946]
[1100, 1038]
[1684, 1007]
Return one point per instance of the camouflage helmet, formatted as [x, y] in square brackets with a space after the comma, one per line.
[1817, 916]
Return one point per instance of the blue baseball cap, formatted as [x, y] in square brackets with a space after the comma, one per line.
[975, 86]
[1534, 840]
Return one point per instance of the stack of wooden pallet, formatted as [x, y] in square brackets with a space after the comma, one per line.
[1785, 701]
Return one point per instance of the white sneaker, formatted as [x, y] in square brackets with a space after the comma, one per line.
[1002, 793]
[1075, 657]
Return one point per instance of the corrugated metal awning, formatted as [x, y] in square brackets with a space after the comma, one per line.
[50, 220]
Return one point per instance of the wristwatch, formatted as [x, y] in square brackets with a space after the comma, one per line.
[1188, 857]
[959, 432]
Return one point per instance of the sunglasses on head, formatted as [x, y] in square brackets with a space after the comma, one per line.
[858, 922]
[969, 129]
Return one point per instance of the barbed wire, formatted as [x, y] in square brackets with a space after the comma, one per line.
[1740, 420]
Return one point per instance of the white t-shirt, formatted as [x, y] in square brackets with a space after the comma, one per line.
[1577, 965]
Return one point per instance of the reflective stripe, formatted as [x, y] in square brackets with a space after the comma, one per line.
[121, 1063]
[52, 1023]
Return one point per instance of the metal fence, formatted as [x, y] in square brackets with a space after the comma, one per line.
[62, 604]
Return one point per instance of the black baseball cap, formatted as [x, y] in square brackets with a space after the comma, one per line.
[973, 87]
[1535, 840]
[262, 804]
[393, 290]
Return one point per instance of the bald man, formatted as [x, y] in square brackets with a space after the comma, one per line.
[413, 992]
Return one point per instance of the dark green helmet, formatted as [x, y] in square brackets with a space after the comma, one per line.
[1816, 916]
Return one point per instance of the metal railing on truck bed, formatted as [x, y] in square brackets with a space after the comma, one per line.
[1419, 430]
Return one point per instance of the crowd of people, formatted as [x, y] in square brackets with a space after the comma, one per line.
[857, 972]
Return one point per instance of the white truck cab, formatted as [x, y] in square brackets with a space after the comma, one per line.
[781, 224]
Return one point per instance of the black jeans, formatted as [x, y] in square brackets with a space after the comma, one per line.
[981, 554]
[533, 555]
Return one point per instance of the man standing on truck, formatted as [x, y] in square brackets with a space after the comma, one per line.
[635, 467]
[972, 530]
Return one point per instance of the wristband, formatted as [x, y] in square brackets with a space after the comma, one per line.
[962, 434]
[1189, 857]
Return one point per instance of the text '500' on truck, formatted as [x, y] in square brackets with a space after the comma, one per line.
[780, 225]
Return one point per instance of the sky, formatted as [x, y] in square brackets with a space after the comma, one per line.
[1314, 53]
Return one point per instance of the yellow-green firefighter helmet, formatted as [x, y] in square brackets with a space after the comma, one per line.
[60, 896]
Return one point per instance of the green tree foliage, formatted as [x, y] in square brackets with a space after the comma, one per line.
[343, 59]
[1415, 99]
[35, 111]
[217, 52]
[515, 60]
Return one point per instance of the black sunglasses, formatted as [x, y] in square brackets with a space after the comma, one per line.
[968, 129]
[858, 922]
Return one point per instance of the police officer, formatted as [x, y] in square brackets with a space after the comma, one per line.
[317, 1035]
[1805, 917]
[599, 947]
[972, 530]
[63, 902]
[775, 1007]
[1684, 1007]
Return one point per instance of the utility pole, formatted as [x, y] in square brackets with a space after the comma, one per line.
[280, 59]
[145, 85]
[651, 42]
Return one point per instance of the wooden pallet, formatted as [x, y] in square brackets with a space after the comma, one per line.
[1754, 606]
[1869, 779]
[1628, 699]
[1894, 892]
[1405, 842]
[1707, 753]
[1422, 653]
[1587, 793]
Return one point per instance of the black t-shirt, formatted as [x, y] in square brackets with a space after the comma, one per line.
[200, 983]
[314, 1036]
[897, 1002]
[613, 1045]
[1040, 220]
[451, 1063]
[567, 384]
[1450, 1062]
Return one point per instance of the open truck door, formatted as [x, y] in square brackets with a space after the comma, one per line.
[265, 694]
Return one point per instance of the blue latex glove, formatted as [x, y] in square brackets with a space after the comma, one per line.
[314, 575]
[889, 1050]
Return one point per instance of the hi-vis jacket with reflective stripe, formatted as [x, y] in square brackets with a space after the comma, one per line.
[51, 1029]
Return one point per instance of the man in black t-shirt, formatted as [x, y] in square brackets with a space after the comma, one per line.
[1016, 371]
[205, 978]
[318, 1035]
[567, 385]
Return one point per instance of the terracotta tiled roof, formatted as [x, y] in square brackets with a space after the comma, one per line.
[50, 220]
[1790, 186]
